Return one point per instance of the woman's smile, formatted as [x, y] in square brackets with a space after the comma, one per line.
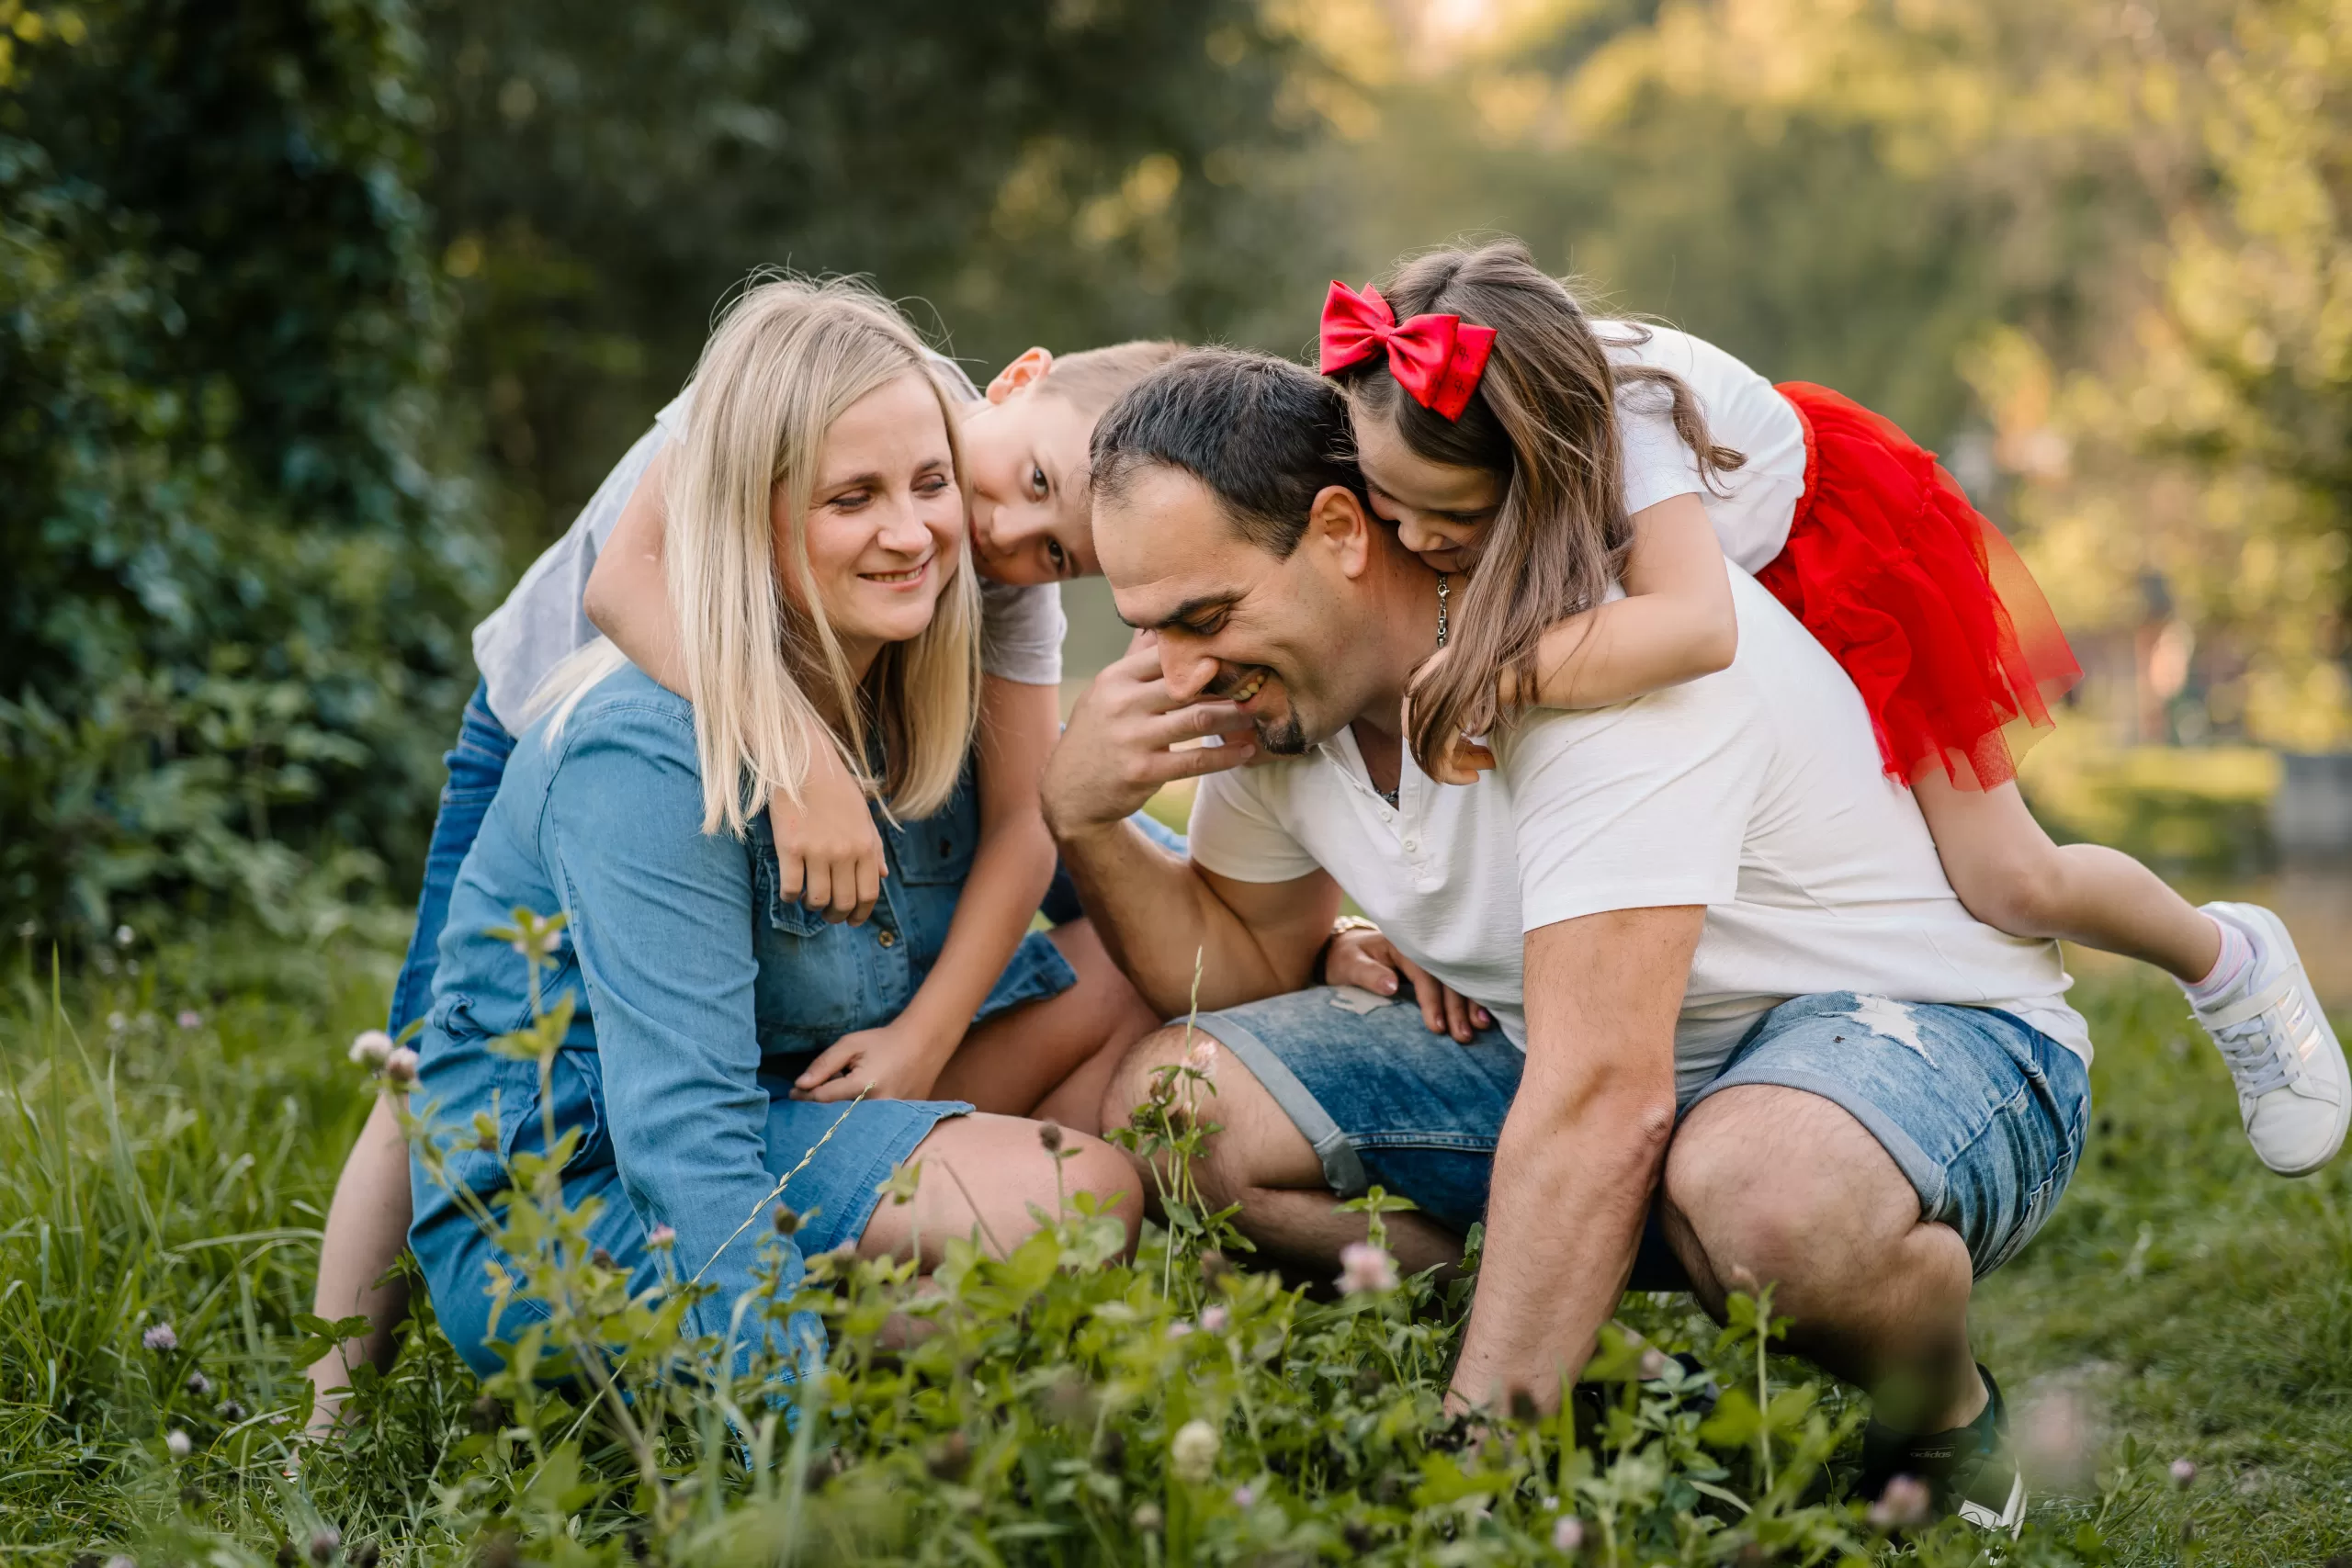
[904, 578]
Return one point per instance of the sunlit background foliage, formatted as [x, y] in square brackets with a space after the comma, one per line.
[322, 316]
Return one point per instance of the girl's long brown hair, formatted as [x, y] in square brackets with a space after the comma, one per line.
[1544, 420]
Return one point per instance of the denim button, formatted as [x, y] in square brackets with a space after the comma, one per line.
[888, 939]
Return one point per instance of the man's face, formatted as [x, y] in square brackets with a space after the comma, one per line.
[1233, 623]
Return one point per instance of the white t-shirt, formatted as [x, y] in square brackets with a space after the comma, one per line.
[543, 620]
[1756, 791]
[1751, 506]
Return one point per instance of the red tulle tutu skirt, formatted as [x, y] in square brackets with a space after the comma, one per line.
[1919, 597]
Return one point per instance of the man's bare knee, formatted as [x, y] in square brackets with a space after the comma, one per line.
[1773, 1185]
[1137, 1074]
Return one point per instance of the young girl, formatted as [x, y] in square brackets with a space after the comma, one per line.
[1552, 457]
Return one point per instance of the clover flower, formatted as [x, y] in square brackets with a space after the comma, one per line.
[372, 1049]
[1244, 1496]
[2184, 1473]
[1214, 1319]
[1363, 1266]
[190, 1019]
[1049, 1133]
[660, 1239]
[199, 1384]
[1178, 1329]
[178, 1443]
[1653, 1364]
[1567, 1533]
[400, 1067]
[1192, 1453]
[160, 1337]
[1147, 1517]
[324, 1541]
[124, 936]
[1904, 1504]
[1202, 1058]
[116, 1024]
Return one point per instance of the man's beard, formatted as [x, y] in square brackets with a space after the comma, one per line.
[1284, 736]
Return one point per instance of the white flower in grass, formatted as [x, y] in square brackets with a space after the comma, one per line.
[120, 1560]
[176, 1441]
[371, 1049]
[660, 1239]
[1363, 1266]
[1567, 1533]
[1245, 1497]
[116, 1024]
[2184, 1473]
[1202, 1058]
[400, 1067]
[1215, 1318]
[1192, 1453]
[190, 1019]
[161, 1336]
[124, 936]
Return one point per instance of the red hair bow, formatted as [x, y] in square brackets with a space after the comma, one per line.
[1437, 359]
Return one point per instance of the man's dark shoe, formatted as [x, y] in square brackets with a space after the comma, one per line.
[1970, 1470]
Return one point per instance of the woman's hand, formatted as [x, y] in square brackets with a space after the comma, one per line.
[1462, 759]
[898, 1061]
[828, 852]
[1366, 958]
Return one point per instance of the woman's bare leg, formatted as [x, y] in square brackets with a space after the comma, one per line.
[1012, 1064]
[366, 1226]
[2012, 877]
[982, 1174]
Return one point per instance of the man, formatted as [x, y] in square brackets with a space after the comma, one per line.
[1688, 914]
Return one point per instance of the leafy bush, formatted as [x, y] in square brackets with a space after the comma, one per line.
[230, 624]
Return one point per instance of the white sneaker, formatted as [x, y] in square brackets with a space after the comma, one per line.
[2294, 1093]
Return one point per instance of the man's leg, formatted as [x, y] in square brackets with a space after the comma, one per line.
[1385, 1101]
[1770, 1185]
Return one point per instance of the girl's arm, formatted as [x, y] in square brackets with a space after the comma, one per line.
[828, 852]
[1011, 868]
[1674, 625]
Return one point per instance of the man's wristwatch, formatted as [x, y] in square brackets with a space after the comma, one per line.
[1344, 923]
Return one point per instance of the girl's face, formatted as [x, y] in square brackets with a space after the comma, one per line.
[886, 518]
[1441, 513]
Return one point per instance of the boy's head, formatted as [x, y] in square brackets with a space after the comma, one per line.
[1025, 453]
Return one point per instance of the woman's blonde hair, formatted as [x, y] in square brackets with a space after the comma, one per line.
[787, 358]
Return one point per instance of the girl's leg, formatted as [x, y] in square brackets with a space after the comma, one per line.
[2012, 877]
[1012, 1064]
[366, 1226]
[2245, 982]
[982, 1174]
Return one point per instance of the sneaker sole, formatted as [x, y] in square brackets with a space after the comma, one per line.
[2275, 930]
[2010, 1517]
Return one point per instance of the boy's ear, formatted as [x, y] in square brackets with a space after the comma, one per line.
[1338, 518]
[1025, 371]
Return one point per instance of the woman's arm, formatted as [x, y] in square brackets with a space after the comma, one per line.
[1010, 871]
[1674, 625]
[829, 854]
[661, 919]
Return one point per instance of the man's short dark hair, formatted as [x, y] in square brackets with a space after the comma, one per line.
[1265, 436]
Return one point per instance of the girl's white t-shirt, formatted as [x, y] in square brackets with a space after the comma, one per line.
[1751, 506]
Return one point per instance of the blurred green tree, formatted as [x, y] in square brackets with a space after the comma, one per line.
[1064, 172]
[236, 572]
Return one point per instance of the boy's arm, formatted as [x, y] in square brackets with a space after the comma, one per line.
[1009, 871]
[1674, 625]
[829, 854]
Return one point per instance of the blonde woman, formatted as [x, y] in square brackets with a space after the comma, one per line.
[816, 555]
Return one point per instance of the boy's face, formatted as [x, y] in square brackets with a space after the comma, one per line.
[1025, 453]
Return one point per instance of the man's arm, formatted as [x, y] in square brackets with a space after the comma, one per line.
[1581, 1150]
[1157, 914]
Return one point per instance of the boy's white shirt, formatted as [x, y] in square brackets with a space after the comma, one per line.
[544, 619]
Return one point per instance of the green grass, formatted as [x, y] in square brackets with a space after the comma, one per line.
[2182, 1301]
